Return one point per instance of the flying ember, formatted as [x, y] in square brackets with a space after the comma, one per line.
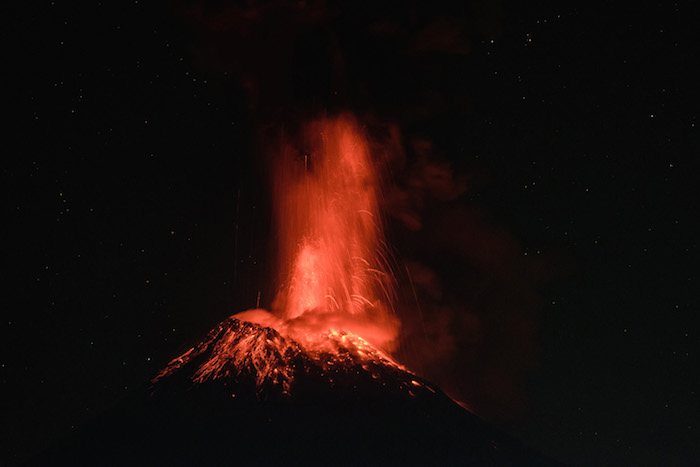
[334, 305]
[331, 235]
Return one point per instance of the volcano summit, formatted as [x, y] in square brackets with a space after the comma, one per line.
[246, 395]
[312, 382]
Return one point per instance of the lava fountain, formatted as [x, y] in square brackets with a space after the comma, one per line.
[306, 383]
[332, 244]
[333, 310]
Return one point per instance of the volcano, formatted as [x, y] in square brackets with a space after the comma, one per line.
[311, 382]
[250, 355]
[247, 395]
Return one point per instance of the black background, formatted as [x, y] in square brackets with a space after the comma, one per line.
[137, 211]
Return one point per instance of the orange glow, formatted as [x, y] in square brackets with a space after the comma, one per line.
[239, 348]
[335, 303]
[330, 232]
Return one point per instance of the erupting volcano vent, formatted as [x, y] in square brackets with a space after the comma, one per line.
[333, 309]
[331, 236]
[307, 383]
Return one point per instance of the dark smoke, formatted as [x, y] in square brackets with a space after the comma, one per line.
[469, 302]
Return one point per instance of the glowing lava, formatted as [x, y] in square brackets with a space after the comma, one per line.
[331, 236]
[333, 309]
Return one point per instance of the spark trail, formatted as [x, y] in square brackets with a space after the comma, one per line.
[334, 307]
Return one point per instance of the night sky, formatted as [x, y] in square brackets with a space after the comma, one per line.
[556, 251]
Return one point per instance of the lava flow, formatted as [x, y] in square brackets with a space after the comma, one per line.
[333, 310]
[307, 383]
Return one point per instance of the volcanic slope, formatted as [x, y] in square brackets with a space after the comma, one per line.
[247, 395]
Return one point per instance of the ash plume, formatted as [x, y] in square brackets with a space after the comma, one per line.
[468, 298]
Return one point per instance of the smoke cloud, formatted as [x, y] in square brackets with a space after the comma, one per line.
[468, 298]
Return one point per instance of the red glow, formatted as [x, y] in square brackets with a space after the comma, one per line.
[334, 305]
[330, 231]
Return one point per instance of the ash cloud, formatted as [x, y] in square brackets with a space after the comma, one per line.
[469, 304]
[295, 57]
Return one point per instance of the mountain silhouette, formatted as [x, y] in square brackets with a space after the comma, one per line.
[247, 395]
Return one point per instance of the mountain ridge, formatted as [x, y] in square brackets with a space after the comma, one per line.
[340, 408]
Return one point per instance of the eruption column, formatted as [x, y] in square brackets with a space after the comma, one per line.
[334, 308]
[330, 230]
